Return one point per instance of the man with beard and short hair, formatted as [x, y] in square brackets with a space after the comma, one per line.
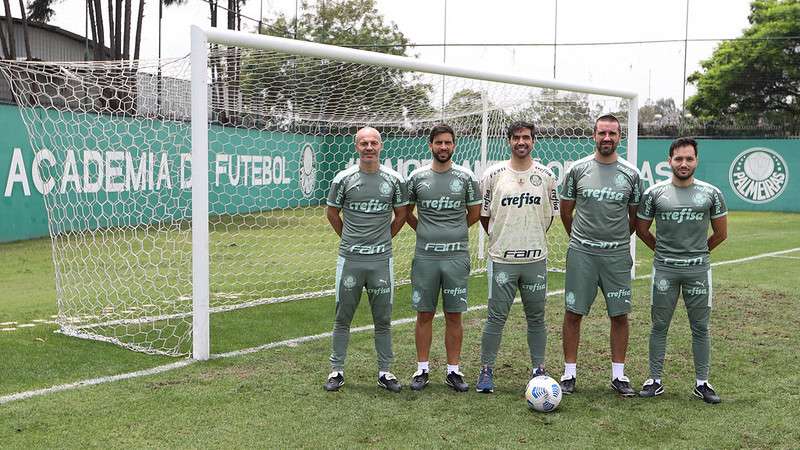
[448, 202]
[519, 202]
[360, 203]
[682, 207]
[602, 190]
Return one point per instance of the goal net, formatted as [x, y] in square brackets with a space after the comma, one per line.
[113, 150]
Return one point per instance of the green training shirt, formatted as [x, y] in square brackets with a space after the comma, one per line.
[602, 193]
[441, 200]
[682, 216]
[367, 201]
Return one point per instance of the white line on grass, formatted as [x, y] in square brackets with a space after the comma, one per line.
[750, 258]
[94, 381]
[286, 343]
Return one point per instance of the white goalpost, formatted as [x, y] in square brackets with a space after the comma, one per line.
[202, 37]
[183, 188]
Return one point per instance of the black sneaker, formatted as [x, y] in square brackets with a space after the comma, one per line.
[456, 381]
[389, 382]
[706, 392]
[335, 381]
[623, 386]
[651, 388]
[538, 372]
[419, 380]
[567, 385]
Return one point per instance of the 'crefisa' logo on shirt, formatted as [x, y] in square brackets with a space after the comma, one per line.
[682, 215]
[758, 175]
[521, 200]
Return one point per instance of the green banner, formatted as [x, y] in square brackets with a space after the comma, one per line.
[753, 174]
[102, 171]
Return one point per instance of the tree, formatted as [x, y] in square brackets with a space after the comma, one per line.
[663, 110]
[8, 42]
[464, 112]
[340, 22]
[552, 109]
[465, 101]
[10, 47]
[342, 92]
[756, 78]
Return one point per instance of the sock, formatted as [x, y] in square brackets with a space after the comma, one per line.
[701, 382]
[570, 369]
[452, 368]
[422, 365]
[658, 380]
[617, 370]
[382, 373]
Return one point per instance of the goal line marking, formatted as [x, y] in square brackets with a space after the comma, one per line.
[286, 343]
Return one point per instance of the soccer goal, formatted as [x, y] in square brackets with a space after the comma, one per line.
[180, 188]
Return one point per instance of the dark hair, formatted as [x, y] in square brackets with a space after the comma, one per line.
[439, 129]
[607, 118]
[682, 142]
[521, 125]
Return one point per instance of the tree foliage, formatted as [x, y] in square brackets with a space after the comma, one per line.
[756, 78]
[331, 91]
[465, 109]
[340, 22]
[553, 110]
[663, 110]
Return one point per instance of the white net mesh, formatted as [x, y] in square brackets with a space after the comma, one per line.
[113, 146]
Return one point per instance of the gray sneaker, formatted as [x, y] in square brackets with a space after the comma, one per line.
[485, 382]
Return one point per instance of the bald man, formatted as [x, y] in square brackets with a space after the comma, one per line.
[360, 205]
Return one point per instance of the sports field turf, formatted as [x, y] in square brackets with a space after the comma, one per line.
[274, 397]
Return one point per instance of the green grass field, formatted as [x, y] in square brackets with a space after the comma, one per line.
[110, 278]
[274, 398]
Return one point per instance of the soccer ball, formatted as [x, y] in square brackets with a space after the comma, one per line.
[543, 394]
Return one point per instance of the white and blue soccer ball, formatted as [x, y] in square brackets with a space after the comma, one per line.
[543, 394]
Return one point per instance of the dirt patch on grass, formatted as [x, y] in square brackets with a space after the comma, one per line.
[237, 372]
